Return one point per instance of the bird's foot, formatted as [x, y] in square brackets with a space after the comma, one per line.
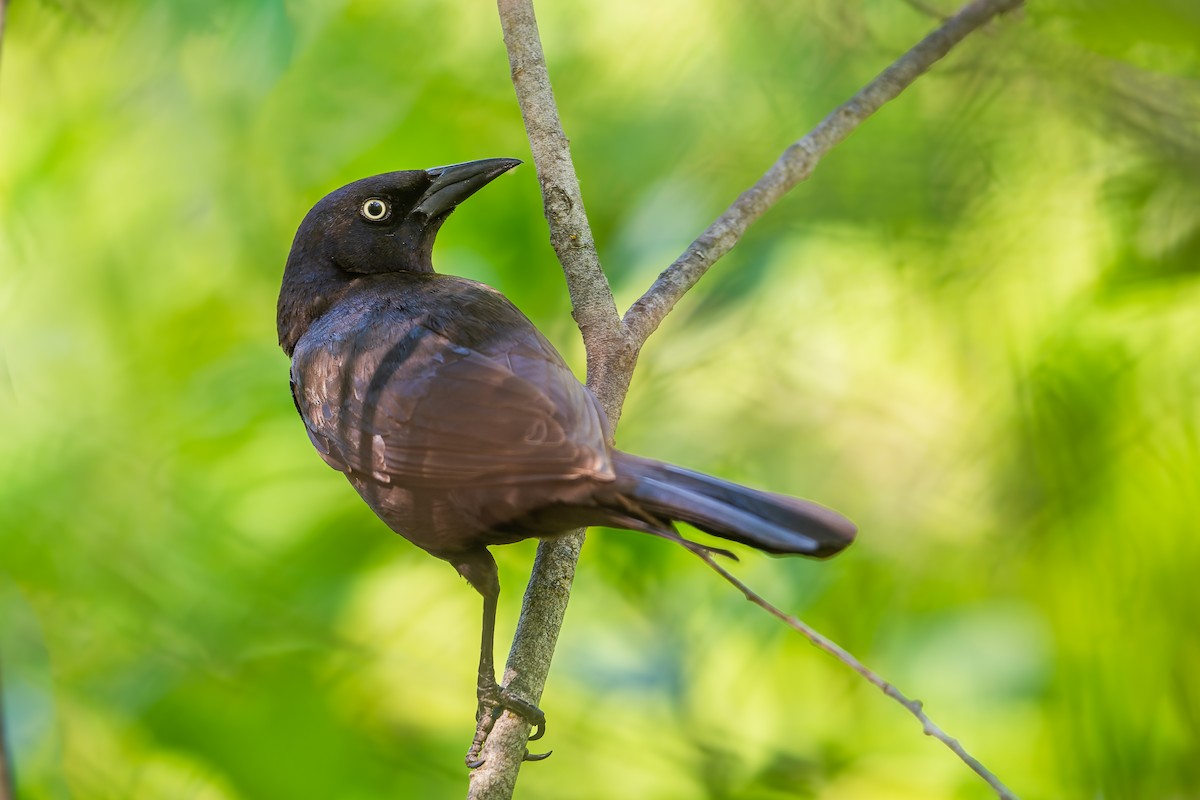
[493, 701]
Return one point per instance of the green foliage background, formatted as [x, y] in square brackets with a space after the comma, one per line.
[975, 331]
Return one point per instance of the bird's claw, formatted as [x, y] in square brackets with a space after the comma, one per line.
[493, 701]
[476, 763]
[526, 711]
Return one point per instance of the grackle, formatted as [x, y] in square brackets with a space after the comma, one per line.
[457, 421]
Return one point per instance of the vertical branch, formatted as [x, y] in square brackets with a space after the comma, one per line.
[542, 613]
[610, 362]
[592, 302]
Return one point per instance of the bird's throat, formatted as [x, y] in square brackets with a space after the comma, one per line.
[305, 295]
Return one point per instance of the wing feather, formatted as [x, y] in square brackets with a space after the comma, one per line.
[398, 400]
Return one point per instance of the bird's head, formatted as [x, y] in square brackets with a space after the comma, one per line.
[387, 223]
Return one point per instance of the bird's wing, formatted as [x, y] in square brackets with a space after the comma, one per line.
[401, 402]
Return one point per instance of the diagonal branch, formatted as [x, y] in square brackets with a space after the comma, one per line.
[818, 640]
[797, 164]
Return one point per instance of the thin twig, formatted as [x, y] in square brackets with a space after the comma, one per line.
[914, 706]
[797, 164]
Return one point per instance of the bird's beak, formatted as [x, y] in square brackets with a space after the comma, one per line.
[455, 183]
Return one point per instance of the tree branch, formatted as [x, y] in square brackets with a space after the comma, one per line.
[797, 164]
[914, 707]
[592, 302]
[528, 663]
[610, 365]
[612, 343]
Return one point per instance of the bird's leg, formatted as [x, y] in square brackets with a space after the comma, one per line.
[493, 698]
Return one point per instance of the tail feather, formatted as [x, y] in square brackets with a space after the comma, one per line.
[774, 523]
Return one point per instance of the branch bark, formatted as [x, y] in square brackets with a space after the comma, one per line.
[613, 343]
[610, 365]
[592, 302]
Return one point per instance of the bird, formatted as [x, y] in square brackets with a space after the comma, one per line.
[459, 423]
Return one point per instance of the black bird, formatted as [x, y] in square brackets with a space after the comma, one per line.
[458, 422]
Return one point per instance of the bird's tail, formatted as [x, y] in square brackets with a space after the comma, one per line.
[774, 523]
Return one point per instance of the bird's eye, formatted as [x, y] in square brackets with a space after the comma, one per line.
[375, 210]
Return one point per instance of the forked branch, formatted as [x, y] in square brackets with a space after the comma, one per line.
[613, 343]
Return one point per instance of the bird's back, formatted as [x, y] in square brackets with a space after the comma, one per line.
[448, 411]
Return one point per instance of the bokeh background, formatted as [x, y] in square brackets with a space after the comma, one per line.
[976, 331]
